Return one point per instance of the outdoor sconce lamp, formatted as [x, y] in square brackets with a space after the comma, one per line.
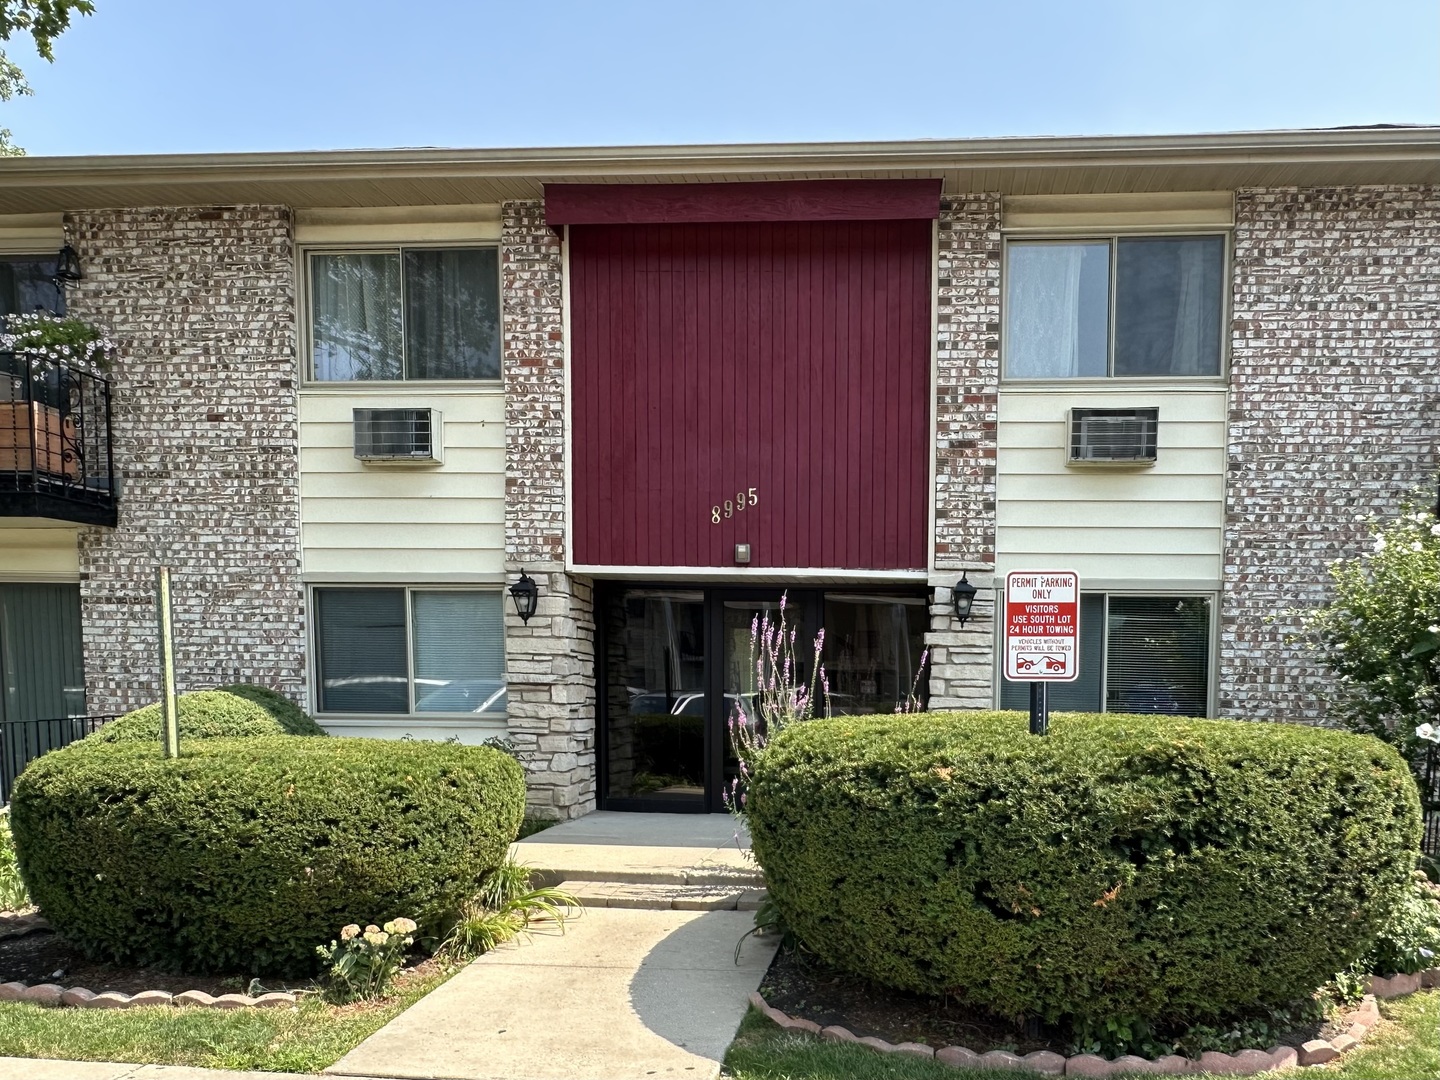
[964, 597]
[67, 267]
[526, 595]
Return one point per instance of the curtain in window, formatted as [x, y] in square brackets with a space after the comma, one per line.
[355, 316]
[459, 652]
[361, 638]
[452, 316]
[1057, 304]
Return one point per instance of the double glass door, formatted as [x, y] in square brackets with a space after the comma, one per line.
[677, 665]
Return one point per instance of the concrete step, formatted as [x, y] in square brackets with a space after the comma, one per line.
[664, 896]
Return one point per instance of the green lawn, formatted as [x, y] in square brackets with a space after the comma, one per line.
[306, 1039]
[1407, 1048]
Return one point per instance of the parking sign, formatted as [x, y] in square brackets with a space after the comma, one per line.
[1042, 625]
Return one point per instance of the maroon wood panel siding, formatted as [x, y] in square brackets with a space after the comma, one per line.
[784, 200]
[791, 358]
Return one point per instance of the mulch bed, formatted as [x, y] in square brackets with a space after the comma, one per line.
[805, 988]
[43, 956]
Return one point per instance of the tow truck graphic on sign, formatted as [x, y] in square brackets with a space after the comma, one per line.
[1042, 625]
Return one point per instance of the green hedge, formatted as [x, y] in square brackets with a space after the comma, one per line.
[210, 714]
[245, 854]
[1163, 869]
[293, 719]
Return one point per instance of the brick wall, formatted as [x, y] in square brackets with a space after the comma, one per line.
[966, 385]
[550, 663]
[1335, 402]
[200, 301]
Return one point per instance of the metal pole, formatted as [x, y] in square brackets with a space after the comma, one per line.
[1039, 709]
[170, 730]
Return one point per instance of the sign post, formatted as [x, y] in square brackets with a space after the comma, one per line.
[170, 721]
[1042, 634]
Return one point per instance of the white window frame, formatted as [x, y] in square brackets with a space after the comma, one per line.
[303, 304]
[411, 717]
[1212, 640]
[1112, 236]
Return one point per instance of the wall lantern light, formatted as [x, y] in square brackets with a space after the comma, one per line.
[964, 597]
[67, 267]
[526, 595]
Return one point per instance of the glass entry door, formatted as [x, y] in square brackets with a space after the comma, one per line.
[676, 664]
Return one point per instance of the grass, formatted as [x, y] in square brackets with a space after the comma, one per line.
[1403, 1048]
[304, 1039]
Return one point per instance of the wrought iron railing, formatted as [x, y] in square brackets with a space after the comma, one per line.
[56, 457]
[1429, 780]
[22, 741]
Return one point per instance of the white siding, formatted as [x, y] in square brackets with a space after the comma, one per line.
[443, 521]
[38, 554]
[1112, 523]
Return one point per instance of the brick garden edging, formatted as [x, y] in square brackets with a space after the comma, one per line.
[55, 994]
[1241, 1063]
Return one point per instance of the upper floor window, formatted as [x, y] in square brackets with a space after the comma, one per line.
[27, 283]
[405, 313]
[1114, 306]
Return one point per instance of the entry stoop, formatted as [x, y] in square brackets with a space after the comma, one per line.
[657, 862]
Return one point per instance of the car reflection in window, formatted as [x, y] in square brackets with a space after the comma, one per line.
[465, 696]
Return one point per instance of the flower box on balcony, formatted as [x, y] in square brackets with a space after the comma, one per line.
[35, 436]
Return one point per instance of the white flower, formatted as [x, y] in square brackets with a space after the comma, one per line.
[1435, 530]
[1379, 544]
[1428, 733]
[1417, 546]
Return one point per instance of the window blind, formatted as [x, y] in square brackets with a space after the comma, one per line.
[459, 651]
[361, 638]
[1159, 655]
[1082, 695]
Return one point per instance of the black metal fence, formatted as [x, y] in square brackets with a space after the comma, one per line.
[1430, 800]
[22, 741]
[56, 457]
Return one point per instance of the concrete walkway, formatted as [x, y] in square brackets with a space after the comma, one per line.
[623, 994]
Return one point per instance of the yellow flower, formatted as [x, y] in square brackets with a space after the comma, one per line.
[376, 938]
[401, 926]
[348, 932]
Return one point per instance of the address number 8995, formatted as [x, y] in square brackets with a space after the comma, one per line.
[730, 507]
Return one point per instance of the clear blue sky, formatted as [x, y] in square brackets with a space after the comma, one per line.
[159, 76]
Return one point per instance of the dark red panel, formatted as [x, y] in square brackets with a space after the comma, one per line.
[789, 200]
[711, 359]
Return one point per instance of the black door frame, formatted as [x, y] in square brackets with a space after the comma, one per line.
[806, 601]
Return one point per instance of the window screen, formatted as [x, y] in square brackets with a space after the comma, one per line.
[1158, 655]
[459, 652]
[27, 284]
[362, 650]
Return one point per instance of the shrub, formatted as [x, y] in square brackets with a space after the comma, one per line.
[204, 714]
[290, 716]
[1410, 939]
[1122, 866]
[1380, 633]
[244, 854]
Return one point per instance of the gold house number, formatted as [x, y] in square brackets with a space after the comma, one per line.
[730, 507]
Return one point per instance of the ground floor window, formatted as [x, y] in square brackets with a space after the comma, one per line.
[1138, 654]
[399, 651]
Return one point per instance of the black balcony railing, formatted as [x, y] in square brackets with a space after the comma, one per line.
[22, 741]
[56, 459]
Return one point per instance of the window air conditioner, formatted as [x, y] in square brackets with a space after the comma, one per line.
[1113, 436]
[398, 436]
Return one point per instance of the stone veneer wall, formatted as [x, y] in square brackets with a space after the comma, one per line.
[201, 303]
[966, 386]
[1334, 412]
[550, 662]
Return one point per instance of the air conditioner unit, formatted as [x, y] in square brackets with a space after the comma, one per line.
[1113, 436]
[398, 436]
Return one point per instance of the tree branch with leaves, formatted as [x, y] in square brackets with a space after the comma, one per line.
[44, 21]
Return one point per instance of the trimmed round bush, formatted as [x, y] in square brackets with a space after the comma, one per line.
[204, 714]
[245, 854]
[1122, 866]
[291, 718]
